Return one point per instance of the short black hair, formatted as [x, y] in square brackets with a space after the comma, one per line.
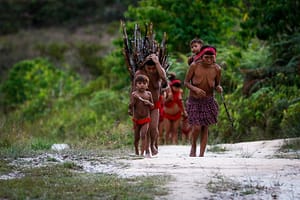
[196, 40]
[141, 78]
[149, 62]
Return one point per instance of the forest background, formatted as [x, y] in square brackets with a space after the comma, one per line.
[64, 79]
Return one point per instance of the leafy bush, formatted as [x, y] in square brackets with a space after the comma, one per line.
[271, 112]
[290, 124]
[32, 85]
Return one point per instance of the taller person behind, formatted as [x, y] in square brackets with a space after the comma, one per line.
[157, 75]
[202, 79]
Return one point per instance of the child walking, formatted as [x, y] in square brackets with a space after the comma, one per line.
[140, 106]
[173, 109]
[202, 79]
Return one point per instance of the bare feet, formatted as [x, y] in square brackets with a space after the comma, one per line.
[192, 154]
[147, 155]
[154, 151]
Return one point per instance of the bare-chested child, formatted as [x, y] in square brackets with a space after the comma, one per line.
[140, 106]
[157, 75]
[202, 79]
[195, 45]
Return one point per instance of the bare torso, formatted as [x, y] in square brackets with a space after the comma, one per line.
[140, 110]
[174, 108]
[154, 84]
[205, 77]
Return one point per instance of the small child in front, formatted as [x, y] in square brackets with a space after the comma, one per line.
[140, 106]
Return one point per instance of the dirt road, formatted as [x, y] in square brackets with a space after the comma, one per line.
[246, 171]
[240, 171]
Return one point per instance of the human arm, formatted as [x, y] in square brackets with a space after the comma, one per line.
[188, 79]
[218, 86]
[161, 71]
[131, 104]
[182, 106]
[145, 101]
[169, 95]
[190, 60]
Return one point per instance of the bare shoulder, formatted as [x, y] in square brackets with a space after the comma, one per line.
[193, 65]
[218, 67]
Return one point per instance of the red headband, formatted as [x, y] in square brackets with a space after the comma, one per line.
[175, 81]
[207, 49]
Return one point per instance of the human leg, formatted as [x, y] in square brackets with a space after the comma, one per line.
[174, 131]
[154, 131]
[136, 138]
[168, 131]
[203, 139]
[161, 129]
[195, 135]
[145, 141]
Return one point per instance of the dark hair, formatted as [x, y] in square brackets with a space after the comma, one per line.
[141, 78]
[171, 76]
[176, 85]
[196, 40]
[149, 62]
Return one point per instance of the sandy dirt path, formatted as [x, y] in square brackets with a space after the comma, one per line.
[244, 171]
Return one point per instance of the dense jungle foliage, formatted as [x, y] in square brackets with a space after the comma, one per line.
[63, 76]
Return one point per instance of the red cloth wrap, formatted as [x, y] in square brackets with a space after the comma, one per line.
[175, 100]
[156, 105]
[140, 121]
[173, 117]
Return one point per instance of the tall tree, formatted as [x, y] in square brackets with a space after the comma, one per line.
[277, 23]
[213, 21]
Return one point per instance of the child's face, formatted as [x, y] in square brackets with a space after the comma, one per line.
[141, 86]
[195, 47]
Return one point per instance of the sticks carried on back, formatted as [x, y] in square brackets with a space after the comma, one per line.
[136, 49]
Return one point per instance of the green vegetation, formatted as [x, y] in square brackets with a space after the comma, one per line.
[63, 80]
[76, 90]
[62, 182]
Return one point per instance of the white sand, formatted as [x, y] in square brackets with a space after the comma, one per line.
[244, 171]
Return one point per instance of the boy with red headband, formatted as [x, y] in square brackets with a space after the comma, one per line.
[202, 79]
[140, 106]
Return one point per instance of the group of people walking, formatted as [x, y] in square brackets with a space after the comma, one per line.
[157, 106]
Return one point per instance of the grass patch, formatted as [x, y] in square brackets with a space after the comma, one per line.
[60, 182]
[223, 186]
[291, 145]
[217, 149]
[290, 149]
[4, 167]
